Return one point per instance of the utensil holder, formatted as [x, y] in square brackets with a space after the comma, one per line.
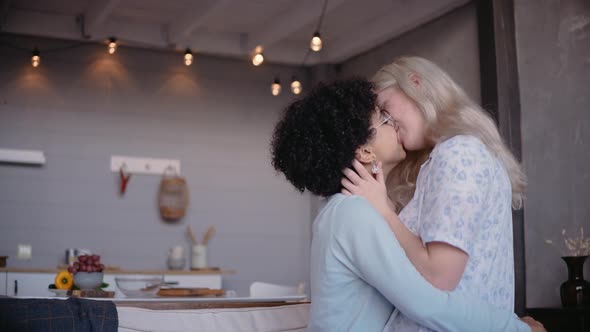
[199, 256]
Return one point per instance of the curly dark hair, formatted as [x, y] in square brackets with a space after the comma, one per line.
[319, 134]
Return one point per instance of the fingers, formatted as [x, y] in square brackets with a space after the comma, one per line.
[352, 176]
[529, 320]
[361, 170]
[346, 192]
[536, 325]
[348, 186]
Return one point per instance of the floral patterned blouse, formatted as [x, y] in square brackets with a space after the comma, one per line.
[464, 198]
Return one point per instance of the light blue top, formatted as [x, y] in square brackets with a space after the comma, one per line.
[359, 272]
[464, 198]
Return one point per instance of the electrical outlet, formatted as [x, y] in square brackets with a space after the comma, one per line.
[25, 252]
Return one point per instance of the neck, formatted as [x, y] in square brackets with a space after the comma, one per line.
[387, 169]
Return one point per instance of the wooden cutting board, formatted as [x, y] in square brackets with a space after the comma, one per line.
[92, 293]
[190, 292]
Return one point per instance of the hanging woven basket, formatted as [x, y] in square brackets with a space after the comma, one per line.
[173, 197]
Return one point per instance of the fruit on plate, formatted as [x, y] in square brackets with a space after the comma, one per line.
[86, 263]
[64, 280]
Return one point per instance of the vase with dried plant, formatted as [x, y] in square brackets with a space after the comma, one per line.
[575, 291]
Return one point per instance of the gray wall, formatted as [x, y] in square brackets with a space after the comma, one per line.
[450, 41]
[83, 105]
[553, 46]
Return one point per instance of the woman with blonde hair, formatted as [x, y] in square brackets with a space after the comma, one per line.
[359, 271]
[454, 192]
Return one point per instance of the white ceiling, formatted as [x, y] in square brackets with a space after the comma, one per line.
[227, 27]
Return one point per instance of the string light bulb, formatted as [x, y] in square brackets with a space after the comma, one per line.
[316, 42]
[295, 86]
[258, 58]
[36, 58]
[275, 87]
[112, 45]
[188, 57]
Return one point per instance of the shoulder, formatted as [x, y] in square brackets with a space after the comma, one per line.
[462, 162]
[352, 214]
[347, 209]
[463, 150]
[460, 143]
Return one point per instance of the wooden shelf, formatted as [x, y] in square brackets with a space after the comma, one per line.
[115, 271]
[26, 157]
[203, 305]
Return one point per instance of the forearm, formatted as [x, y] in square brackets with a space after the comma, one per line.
[415, 298]
[394, 276]
[417, 253]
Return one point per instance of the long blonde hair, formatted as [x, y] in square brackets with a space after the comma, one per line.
[448, 112]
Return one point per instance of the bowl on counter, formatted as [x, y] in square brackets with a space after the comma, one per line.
[88, 280]
[139, 285]
[59, 292]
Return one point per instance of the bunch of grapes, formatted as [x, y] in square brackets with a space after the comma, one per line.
[86, 263]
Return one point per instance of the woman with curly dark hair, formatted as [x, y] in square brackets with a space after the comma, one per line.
[322, 134]
[359, 272]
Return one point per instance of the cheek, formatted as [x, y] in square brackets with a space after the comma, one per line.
[414, 124]
[397, 115]
[410, 138]
[385, 144]
[392, 143]
[405, 120]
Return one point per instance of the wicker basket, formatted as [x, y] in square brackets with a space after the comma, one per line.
[173, 197]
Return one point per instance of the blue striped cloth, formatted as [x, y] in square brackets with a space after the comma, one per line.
[73, 314]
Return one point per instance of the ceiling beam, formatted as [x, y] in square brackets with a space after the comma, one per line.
[4, 5]
[182, 29]
[140, 34]
[41, 24]
[60, 26]
[227, 45]
[282, 26]
[134, 33]
[149, 35]
[367, 36]
[97, 13]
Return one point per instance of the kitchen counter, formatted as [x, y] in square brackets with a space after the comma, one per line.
[34, 281]
[178, 303]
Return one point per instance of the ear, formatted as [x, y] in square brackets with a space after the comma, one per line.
[415, 79]
[365, 154]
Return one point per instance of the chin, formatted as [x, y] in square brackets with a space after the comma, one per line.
[400, 154]
[414, 145]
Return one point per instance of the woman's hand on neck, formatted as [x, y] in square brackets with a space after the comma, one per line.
[362, 182]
